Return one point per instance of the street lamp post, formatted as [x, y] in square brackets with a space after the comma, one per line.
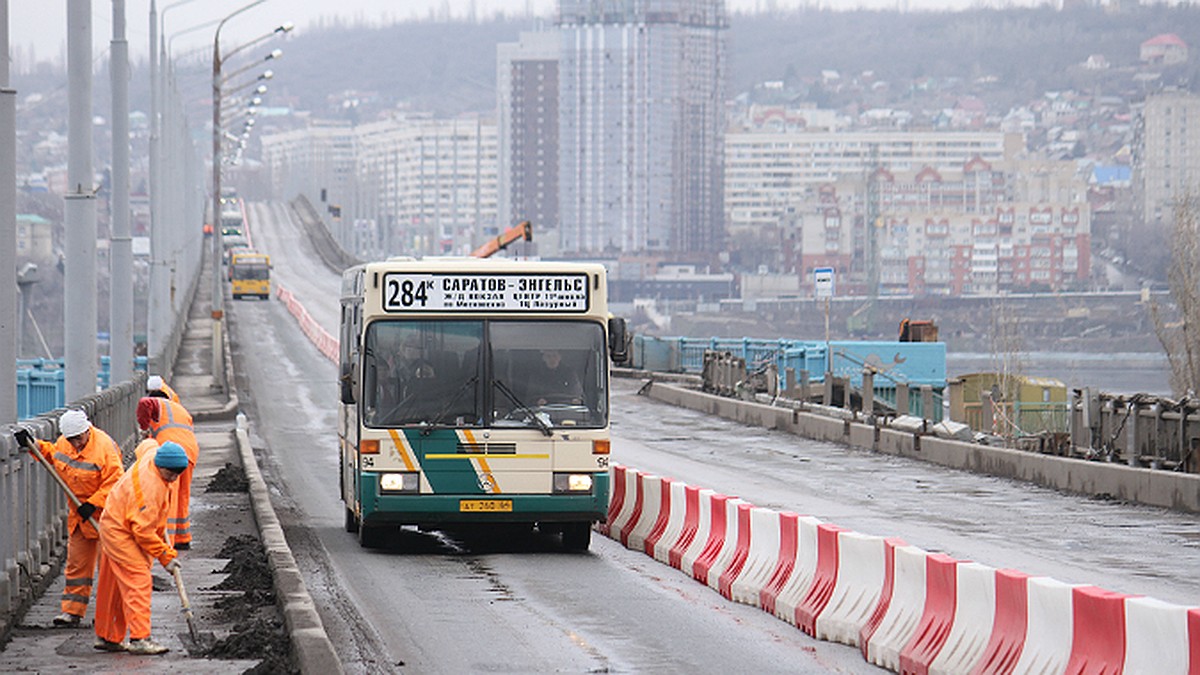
[217, 299]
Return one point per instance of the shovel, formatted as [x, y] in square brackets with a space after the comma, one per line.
[187, 606]
[37, 454]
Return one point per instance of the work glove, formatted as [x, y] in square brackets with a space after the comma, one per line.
[85, 510]
[173, 565]
[24, 438]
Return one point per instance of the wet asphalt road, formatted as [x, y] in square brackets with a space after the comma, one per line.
[436, 604]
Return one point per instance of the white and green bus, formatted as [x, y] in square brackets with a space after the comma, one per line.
[475, 391]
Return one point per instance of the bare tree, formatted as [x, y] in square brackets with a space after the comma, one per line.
[1178, 327]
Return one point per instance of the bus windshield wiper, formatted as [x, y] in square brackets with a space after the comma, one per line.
[521, 406]
[437, 419]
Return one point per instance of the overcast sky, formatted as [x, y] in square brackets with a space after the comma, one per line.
[41, 24]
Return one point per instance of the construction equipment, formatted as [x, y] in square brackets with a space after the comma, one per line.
[32, 447]
[522, 230]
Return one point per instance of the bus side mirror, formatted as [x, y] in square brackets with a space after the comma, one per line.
[618, 349]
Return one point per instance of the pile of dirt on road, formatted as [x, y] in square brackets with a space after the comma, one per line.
[247, 567]
[229, 479]
[259, 632]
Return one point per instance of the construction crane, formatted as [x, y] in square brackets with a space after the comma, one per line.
[522, 230]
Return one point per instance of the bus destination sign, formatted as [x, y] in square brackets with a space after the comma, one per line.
[551, 293]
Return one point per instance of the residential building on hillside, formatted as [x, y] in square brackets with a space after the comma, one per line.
[768, 172]
[978, 229]
[641, 126]
[1165, 49]
[1167, 159]
[35, 237]
[527, 128]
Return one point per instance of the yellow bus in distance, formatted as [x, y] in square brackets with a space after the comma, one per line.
[250, 274]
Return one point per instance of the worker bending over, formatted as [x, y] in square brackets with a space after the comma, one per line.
[89, 462]
[132, 536]
[165, 420]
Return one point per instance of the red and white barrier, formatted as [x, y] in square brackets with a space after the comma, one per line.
[763, 556]
[804, 569]
[859, 583]
[660, 548]
[324, 342]
[1048, 627]
[1161, 637]
[974, 617]
[906, 609]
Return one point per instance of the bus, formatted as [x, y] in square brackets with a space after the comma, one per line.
[249, 274]
[475, 392]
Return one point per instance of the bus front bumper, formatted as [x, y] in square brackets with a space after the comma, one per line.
[433, 509]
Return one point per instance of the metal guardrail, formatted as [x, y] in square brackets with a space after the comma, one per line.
[1140, 430]
[33, 508]
[41, 383]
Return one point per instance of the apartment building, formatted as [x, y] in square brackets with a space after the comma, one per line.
[527, 121]
[1167, 161]
[768, 172]
[317, 160]
[1020, 225]
[641, 126]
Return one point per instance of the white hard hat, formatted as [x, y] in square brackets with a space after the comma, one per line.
[154, 383]
[72, 423]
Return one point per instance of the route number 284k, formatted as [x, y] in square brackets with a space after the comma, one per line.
[404, 293]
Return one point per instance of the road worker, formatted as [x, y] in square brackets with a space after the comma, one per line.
[89, 462]
[132, 536]
[156, 383]
[164, 420]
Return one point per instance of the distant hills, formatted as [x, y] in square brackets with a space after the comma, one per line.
[1004, 56]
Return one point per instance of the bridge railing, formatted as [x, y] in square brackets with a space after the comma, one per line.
[33, 508]
[41, 383]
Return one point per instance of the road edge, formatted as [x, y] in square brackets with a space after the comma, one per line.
[313, 648]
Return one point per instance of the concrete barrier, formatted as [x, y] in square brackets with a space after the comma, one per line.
[1169, 489]
[789, 552]
[704, 523]
[660, 496]
[1009, 624]
[860, 577]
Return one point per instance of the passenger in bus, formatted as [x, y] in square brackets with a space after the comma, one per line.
[405, 379]
[553, 382]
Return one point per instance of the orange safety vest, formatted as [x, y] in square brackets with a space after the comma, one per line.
[90, 474]
[174, 423]
[135, 522]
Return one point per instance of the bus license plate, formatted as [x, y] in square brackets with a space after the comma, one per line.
[490, 505]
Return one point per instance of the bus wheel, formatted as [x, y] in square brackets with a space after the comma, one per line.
[576, 536]
[351, 521]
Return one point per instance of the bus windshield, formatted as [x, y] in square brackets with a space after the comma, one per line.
[485, 373]
[253, 271]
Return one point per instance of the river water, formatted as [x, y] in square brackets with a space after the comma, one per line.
[1116, 373]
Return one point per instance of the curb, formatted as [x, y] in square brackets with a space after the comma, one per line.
[228, 411]
[313, 648]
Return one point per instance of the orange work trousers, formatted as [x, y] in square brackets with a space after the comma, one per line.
[179, 524]
[80, 570]
[123, 600]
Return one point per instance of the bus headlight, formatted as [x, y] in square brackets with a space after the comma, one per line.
[572, 482]
[400, 482]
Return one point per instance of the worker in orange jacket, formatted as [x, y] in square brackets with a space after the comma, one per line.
[156, 383]
[132, 536]
[164, 420]
[89, 462]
